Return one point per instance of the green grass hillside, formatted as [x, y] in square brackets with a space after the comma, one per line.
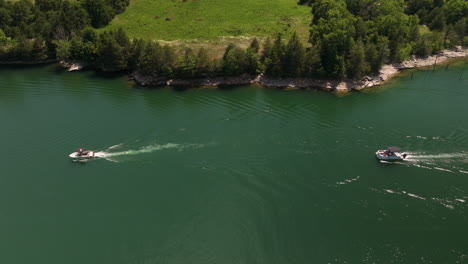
[211, 19]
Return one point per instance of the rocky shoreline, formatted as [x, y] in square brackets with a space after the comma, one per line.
[344, 85]
[389, 70]
[73, 65]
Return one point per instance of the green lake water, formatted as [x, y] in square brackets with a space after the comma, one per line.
[238, 175]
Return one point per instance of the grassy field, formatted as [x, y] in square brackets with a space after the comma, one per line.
[213, 21]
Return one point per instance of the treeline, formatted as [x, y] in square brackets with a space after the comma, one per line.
[29, 29]
[348, 39]
[114, 51]
[355, 37]
[329, 55]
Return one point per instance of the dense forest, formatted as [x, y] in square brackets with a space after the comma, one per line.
[348, 38]
[31, 31]
[355, 37]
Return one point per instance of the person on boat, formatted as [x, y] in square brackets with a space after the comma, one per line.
[81, 152]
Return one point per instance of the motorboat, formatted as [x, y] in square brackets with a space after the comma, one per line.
[391, 153]
[81, 153]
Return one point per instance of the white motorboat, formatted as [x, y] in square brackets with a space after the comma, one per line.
[391, 153]
[81, 153]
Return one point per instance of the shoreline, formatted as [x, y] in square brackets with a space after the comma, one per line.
[386, 73]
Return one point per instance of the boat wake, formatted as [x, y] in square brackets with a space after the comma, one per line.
[112, 156]
[115, 146]
[421, 156]
[448, 162]
[447, 202]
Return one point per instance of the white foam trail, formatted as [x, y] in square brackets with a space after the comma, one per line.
[462, 171]
[147, 149]
[440, 156]
[348, 181]
[115, 146]
[443, 202]
[416, 196]
[437, 168]
[421, 166]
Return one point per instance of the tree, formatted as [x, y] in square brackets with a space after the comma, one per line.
[48, 5]
[3, 38]
[39, 50]
[5, 19]
[359, 7]
[357, 64]
[274, 66]
[23, 48]
[461, 29]
[122, 39]
[383, 50]
[415, 6]
[99, 12]
[73, 17]
[118, 6]
[63, 50]
[437, 18]
[110, 55]
[235, 61]
[377, 54]
[229, 47]
[414, 28]
[456, 10]
[147, 62]
[21, 12]
[253, 64]
[88, 34]
[313, 62]
[266, 53]
[401, 51]
[255, 45]
[169, 60]
[136, 49]
[332, 26]
[202, 61]
[187, 66]
[424, 45]
[371, 57]
[294, 56]
[157, 60]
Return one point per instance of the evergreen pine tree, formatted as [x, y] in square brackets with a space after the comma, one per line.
[294, 56]
[274, 68]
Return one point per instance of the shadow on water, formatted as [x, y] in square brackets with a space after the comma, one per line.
[25, 66]
[89, 71]
[108, 75]
[180, 88]
[79, 162]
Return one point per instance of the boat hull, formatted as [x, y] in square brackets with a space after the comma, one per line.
[381, 155]
[76, 155]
